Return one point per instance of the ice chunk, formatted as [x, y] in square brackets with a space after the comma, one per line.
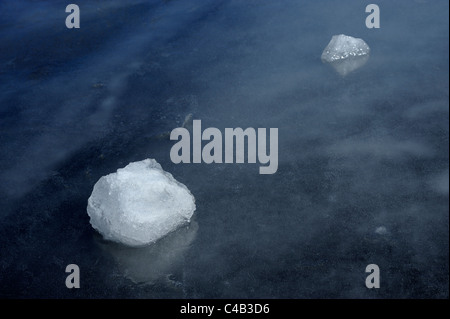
[346, 54]
[139, 204]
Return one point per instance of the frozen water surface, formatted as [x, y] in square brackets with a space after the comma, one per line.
[356, 153]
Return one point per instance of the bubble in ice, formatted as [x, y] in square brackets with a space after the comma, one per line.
[139, 204]
[345, 53]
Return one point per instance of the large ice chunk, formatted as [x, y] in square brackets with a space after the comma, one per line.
[139, 204]
[346, 54]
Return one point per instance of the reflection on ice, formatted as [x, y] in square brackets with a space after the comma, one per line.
[157, 262]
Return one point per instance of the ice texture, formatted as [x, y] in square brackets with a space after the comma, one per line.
[139, 204]
[345, 53]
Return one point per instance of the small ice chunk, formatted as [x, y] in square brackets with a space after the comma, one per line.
[345, 53]
[139, 204]
[381, 230]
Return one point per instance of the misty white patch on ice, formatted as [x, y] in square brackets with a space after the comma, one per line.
[139, 204]
[420, 110]
[345, 53]
[381, 230]
[440, 182]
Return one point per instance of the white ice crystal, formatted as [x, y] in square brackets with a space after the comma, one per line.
[346, 54]
[139, 204]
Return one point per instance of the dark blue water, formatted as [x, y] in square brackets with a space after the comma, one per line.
[357, 153]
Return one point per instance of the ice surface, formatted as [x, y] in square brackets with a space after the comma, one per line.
[358, 153]
[139, 204]
[345, 53]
